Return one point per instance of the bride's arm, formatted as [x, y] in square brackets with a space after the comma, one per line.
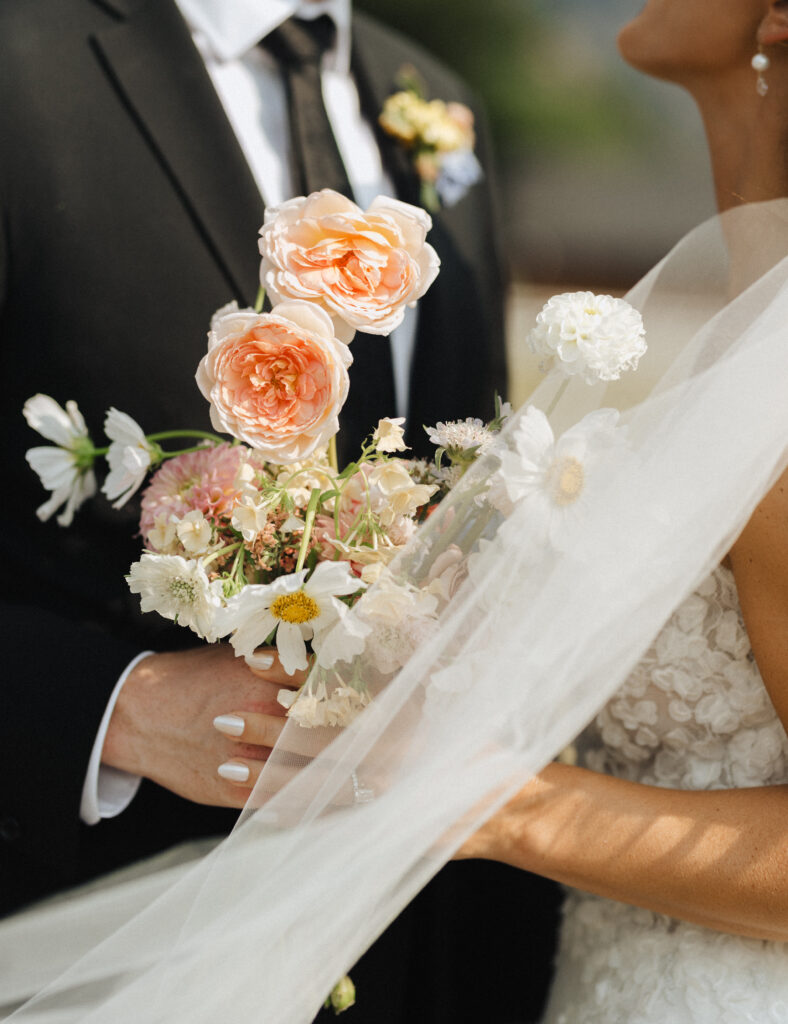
[718, 858]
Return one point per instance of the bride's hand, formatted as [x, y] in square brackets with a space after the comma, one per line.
[162, 726]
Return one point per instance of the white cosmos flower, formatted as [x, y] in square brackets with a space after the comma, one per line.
[594, 336]
[129, 457]
[66, 471]
[179, 589]
[551, 478]
[299, 610]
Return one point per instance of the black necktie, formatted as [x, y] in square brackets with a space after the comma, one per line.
[298, 47]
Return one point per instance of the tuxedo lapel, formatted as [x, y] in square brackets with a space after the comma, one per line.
[376, 80]
[150, 57]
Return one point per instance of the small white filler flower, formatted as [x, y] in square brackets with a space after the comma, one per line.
[389, 435]
[179, 589]
[66, 470]
[129, 457]
[299, 609]
[593, 336]
[459, 436]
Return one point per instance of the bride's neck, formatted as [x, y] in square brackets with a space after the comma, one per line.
[748, 138]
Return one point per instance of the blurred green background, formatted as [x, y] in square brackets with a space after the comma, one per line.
[600, 169]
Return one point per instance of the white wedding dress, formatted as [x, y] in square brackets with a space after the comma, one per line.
[693, 715]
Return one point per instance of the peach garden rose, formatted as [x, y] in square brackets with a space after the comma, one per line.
[275, 380]
[362, 268]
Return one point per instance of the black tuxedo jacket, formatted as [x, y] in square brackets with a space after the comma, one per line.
[127, 216]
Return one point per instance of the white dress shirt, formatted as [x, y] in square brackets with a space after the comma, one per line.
[250, 87]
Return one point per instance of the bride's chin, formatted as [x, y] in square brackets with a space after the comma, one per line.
[637, 46]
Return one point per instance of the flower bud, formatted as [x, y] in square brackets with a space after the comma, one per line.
[343, 995]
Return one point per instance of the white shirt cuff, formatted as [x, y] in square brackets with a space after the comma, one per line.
[108, 791]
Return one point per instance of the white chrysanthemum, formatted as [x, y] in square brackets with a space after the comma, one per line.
[66, 471]
[550, 477]
[593, 336]
[460, 435]
[129, 457]
[389, 435]
[179, 589]
[297, 608]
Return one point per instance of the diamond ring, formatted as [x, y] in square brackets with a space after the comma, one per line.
[361, 794]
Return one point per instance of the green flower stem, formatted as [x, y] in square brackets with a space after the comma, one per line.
[258, 302]
[332, 454]
[220, 553]
[166, 435]
[181, 451]
[311, 511]
[557, 397]
[455, 529]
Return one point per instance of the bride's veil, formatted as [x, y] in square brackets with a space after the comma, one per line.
[557, 587]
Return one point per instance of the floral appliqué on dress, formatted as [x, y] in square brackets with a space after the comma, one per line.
[694, 714]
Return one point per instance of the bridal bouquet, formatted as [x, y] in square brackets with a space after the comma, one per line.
[264, 539]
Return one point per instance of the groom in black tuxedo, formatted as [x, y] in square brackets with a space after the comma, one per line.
[128, 214]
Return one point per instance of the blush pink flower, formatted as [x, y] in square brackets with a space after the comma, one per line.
[203, 481]
[275, 380]
[363, 268]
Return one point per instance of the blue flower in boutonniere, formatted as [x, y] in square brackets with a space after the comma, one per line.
[439, 137]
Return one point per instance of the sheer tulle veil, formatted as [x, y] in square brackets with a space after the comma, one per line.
[557, 586]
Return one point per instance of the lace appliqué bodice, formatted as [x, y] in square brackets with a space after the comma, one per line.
[694, 714]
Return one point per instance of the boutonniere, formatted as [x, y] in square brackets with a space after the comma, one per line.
[439, 138]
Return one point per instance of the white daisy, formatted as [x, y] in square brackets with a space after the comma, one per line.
[297, 608]
[179, 589]
[129, 457]
[593, 336]
[550, 478]
[66, 471]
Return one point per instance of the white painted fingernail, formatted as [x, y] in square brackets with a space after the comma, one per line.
[261, 661]
[231, 725]
[233, 772]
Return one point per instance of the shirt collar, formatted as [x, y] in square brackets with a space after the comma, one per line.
[233, 27]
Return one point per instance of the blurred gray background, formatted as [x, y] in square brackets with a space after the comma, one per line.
[600, 169]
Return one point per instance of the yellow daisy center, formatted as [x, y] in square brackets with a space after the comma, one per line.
[567, 479]
[297, 607]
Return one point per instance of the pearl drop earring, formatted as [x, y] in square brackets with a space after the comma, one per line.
[761, 63]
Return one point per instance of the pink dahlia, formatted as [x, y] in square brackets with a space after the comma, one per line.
[204, 480]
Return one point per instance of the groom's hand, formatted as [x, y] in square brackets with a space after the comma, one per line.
[162, 726]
